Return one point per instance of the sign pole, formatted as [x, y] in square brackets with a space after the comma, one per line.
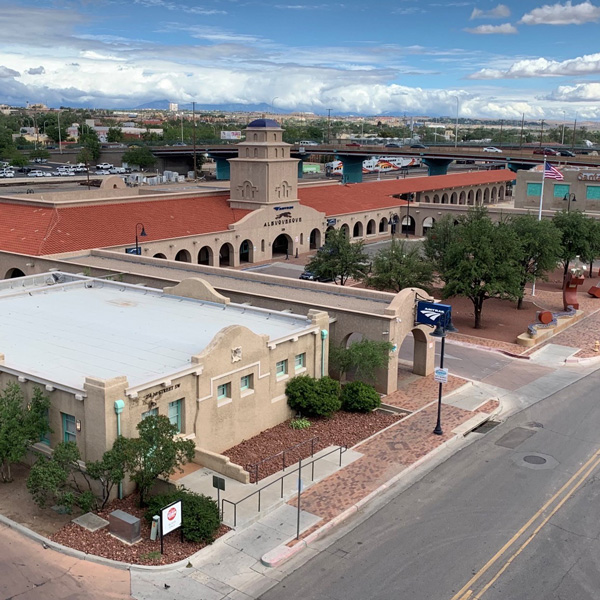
[299, 495]
[161, 534]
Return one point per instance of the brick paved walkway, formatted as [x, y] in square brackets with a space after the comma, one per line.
[384, 456]
[415, 392]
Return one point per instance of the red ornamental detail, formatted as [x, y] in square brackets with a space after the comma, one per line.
[570, 290]
[172, 513]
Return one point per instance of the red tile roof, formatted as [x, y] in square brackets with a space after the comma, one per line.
[39, 231]
[358, 197]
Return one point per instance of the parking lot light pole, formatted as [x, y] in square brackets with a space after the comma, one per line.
[569, 198]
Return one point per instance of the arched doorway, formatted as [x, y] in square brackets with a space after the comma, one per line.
[478, 197]
[494, 194]
[205, 256]
[315, 238]
[408, 225]
[160, 255]
[444, 198]
[436, 199]
[462, 198]
[383, 225]
[357, 230]
[470, 198]
[486, 196]
[12, 273]
[371, 227]
[346, 230]
[453, 198]
[246, 252]
[282, 246]
[428, 223]
[183, 256]
[226, 255]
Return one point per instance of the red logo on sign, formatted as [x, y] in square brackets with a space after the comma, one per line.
[172, 513]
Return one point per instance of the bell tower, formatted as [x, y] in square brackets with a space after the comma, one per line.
[264, 172]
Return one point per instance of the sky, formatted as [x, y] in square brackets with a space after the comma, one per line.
[480, 58]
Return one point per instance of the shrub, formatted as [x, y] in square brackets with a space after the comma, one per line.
[200, 514]
[300, 423]
[359, 397]
[313, 397]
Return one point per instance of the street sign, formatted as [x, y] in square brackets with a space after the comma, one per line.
[133, 250]
[219, 482]
[431, 313]
[441, 375]
[171, 517]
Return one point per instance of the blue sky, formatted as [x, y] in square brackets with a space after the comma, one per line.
[492, 59]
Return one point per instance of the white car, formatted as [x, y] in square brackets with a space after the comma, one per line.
[104, 166]
[492, 149]
[35, 173]
[9, 173]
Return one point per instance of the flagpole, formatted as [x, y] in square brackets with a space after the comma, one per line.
[540, 212]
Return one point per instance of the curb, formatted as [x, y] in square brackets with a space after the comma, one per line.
[488, 349]
[590, 360]
[283, 553]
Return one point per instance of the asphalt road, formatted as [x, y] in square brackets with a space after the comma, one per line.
[491, 523]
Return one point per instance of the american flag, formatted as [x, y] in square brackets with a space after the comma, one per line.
[551, 172]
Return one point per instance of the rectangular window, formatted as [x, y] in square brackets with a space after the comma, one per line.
[561, 190]
[247, 383]
[281, 368]
[534, 189]
[153, 412]
[299, 361]
[69, 428]
[592, 192]
[45, 438]
[224, 391]
[175, 413]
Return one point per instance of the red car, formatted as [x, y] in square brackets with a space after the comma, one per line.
[546, 151]
[354, 144]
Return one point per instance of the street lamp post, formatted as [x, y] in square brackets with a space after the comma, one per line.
[141, 234]
[408, 199]
[569, 198]
[562, 138]
[393, 223]
[59, 136]
[440, 332]
[542, 133]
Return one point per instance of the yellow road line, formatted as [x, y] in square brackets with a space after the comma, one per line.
[460, 595]
[536, 531]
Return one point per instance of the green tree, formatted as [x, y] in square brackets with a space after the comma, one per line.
[142, 157]
[363, 358]
[438, 240]
[115, 134]
[540, 248]
[482, 262]
[39, 153]
[16, 158]
[88, 138]
[399, 266]
[109, 470]
[339, 258]
[575, 233]
[594, 240]
[21, 425]
[156, 452]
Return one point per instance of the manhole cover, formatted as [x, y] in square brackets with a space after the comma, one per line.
[534, 460]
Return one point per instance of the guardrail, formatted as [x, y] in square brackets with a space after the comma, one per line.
[340, 449]
[254, 468]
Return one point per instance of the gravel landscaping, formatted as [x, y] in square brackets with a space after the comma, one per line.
[342, 429]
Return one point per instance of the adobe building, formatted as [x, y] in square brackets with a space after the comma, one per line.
[581, 184]
[109, 354]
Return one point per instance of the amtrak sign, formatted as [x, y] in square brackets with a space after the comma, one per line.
[430, 313]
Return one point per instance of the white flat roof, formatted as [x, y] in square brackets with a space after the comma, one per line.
[64, 332]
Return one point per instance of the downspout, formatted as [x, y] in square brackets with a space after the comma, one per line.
[324, 334]
[119, 406]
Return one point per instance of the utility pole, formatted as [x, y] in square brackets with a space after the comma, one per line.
[328, 125]
[59, 136]
[501, 125]
[542, 133]
[574, 130]
[521, 136]
[194, 135]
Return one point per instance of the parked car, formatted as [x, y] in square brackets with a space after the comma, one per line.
[566, 153]
[40, 160]
[308, 143]
[35, 173]
[422, 146]
[492, 149]
[392, 145]
[546, 151]
[104, 166]
[308, 276]
[354, 144]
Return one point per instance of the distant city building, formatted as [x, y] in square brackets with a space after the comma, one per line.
[173, 106]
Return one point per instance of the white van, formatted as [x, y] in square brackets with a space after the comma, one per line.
[308, 143]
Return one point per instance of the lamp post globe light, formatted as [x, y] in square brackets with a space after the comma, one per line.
[141, 234]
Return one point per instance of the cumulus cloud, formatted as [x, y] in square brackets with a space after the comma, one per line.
[36, 71]
[562, 14]
[581, 92]
[504, 29]
[499, 12]
[588, 64]
[6, 73]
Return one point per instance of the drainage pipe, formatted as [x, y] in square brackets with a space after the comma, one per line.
[119, 406]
